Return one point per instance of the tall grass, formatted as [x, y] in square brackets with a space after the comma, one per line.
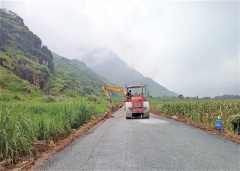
[21, 124]
[202, 111]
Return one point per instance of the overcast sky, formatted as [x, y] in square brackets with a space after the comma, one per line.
[189, 47]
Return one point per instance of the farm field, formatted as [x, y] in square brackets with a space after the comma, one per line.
[25, 124]
[204, 112]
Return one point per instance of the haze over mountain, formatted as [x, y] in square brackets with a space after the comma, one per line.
[190, 47]
[110, 66]
[27, 66]
[204, 64]
[24, 55]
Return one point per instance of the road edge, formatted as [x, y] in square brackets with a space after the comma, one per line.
[223, 133]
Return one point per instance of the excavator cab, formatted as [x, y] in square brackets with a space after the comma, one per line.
[137, 106]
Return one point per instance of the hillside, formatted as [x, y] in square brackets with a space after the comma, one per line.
[29, 67]
[110, 66]
[24, 58]
[22, 52]
[74, 78]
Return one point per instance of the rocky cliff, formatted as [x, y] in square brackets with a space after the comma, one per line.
[22, 52]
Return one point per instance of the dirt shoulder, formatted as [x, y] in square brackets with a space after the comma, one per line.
[223, 133]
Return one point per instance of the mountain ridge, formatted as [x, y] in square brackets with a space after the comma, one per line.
[119, 72]
[23, 54]
[32, 67]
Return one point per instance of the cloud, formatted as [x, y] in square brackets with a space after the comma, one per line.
[186, 46]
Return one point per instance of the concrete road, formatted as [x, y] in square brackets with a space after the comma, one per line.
[146, 144]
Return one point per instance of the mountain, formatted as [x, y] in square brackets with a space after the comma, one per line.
[74, 78]
[22, 52]
[110, 66]
[28, 67]
[220, 91]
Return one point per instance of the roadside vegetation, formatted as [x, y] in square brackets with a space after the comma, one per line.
[204, 112]
[26, 119]
[24, 123]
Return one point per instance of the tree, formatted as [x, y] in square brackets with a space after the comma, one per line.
[180, 96]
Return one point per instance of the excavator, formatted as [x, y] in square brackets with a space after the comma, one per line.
[135, 106]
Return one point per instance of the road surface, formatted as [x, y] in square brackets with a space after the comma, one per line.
[146, 144]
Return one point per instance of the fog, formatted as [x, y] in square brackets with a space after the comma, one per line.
[189, 47]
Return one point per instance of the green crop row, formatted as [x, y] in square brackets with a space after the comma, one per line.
[22, 124]
[201, 111]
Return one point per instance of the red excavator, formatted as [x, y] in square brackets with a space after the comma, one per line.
[136, 105]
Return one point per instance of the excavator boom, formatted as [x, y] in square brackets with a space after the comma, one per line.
[113, 88]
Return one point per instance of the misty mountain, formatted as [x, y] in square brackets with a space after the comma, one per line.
[73, 78]
[22, 52]
[110, 66]
[220, 91]
[27, 66]
[23, 55]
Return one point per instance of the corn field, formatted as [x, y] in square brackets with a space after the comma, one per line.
[23, 124]
[201, 111]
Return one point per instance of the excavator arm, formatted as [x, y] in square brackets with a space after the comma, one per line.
[113, 88]
[105, 91]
